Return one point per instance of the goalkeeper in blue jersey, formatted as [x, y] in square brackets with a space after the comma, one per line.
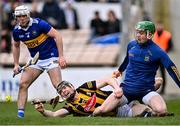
[141, 63]
[38, 36]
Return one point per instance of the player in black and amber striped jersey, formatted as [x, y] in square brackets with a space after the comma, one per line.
[87, 92]
[84, 100]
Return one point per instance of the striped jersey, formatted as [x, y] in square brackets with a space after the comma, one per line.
[36, 39]
[89, 98]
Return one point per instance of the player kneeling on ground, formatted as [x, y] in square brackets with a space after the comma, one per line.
[134, 108]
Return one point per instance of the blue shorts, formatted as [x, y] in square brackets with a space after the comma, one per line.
[134, 96]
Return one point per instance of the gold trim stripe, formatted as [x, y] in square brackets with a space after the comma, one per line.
[97, 90]
[101, 93]
[176, 72]
[37, 41]
[98, 100]
[75, 109]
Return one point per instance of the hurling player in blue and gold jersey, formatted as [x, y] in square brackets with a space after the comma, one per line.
[142, 60]
[38, 36]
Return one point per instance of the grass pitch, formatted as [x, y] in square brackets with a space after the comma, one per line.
[8, 116]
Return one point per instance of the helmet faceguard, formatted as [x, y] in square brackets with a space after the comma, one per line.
[62, 85]
[146, 26]
[21, 10]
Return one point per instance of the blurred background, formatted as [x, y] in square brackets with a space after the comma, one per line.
[95, 35]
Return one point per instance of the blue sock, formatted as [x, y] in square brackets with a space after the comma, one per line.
[20, 113]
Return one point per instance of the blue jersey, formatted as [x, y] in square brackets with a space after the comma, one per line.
[141, 63]
[36, 39]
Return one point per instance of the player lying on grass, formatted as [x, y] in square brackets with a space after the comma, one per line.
[89, 96]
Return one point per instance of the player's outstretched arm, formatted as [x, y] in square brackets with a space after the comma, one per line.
[47, 113]
[170, 66]
[174, 73]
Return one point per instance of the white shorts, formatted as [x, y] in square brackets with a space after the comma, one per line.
[147, 97]
[46, 64]
[125, 110]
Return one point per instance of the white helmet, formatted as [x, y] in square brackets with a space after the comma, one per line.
[21, 10]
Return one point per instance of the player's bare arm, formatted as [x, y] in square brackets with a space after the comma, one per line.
[16, 54]
[47, 113]
[112, 82]
[55, 34]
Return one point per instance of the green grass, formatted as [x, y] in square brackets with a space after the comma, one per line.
[8, 116]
